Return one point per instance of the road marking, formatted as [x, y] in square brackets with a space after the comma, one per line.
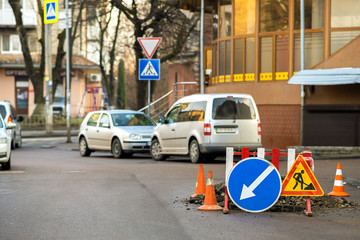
[12, 172]
[247, 192]
[72, 171]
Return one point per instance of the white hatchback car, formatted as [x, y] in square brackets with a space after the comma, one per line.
[5, 144]
[123, 132]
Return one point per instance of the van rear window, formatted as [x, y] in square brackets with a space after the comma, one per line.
[2, 111]
[233, 108]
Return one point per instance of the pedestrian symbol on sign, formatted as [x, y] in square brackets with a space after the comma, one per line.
[51, 11]
[149, 70]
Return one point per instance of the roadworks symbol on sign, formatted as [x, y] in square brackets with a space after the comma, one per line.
[300, 181]
[149, 70]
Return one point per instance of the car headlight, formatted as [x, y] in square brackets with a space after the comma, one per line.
[3, 140]
[134, 136]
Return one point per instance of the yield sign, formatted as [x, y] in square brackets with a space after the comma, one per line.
[300, 181]
[149, 45]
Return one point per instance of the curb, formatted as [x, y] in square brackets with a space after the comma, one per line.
[351, 181]
[45, 135]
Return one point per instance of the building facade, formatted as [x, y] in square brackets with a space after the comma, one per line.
[15, 85]
[255, 49]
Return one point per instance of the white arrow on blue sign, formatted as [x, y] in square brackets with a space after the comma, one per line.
[149, 69]
[254, 184]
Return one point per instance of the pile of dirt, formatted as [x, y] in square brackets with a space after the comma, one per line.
[284, 204]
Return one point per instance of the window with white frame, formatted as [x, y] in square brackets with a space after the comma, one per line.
[25, 4]
[10, 44]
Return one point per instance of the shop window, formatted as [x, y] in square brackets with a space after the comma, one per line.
[221, 61]
[314, 48]
[341, 38]
[228, 61]
[345, 13]
[314, 14]
[282, 53]
[244, 16]
[273, 15]
[215, 20]
[250, 59]
[238, 59]
[266, 55]
[225, 18]
[214, 64]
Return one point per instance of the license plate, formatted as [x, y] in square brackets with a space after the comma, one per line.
[225, 130]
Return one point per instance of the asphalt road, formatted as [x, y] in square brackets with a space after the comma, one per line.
[54, 193]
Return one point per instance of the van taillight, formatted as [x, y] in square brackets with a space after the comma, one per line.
[259, 129]
[9, 119]
[207, 129]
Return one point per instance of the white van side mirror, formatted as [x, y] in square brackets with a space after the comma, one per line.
[161, 119]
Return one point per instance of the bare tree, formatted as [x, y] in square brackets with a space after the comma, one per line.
[79, 7]
[107, 42]
[36, 75]
[152, 18]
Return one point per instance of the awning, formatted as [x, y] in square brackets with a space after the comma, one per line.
[335, 76]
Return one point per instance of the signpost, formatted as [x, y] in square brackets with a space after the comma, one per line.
[50, 11]
[254, 184]
[149, 69]
[50, 16]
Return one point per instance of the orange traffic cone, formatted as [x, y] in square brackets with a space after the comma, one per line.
[210, 203]
[200, 182]
[338, 190]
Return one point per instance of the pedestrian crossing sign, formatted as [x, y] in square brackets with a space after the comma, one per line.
[300, 181]
[149, 69]
[50, 11]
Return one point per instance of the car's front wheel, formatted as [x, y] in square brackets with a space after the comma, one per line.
[19, 143]
[116, 149]
[13, 143]
[6, 166]
[83, 147]
[156, 150]
[194, 151]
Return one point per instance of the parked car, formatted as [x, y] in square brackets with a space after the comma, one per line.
[5, 144]
[59, 106]
[203, 125]
[123, 132]
[8, 113]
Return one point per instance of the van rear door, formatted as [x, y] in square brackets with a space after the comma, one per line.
[234, 121]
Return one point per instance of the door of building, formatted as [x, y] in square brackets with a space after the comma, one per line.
[22, 95]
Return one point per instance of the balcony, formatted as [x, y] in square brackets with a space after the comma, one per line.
[7, 18]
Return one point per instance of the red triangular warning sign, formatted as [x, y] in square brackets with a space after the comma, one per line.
[149, 45]
[300, 181]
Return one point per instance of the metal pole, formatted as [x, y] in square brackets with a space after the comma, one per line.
[202, 48]
[68, 106]
[302, 64]
[48, 79]
[149, 96]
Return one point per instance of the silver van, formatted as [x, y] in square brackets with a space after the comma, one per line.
[203, 125]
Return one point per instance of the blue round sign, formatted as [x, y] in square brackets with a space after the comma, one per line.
[254, 184]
